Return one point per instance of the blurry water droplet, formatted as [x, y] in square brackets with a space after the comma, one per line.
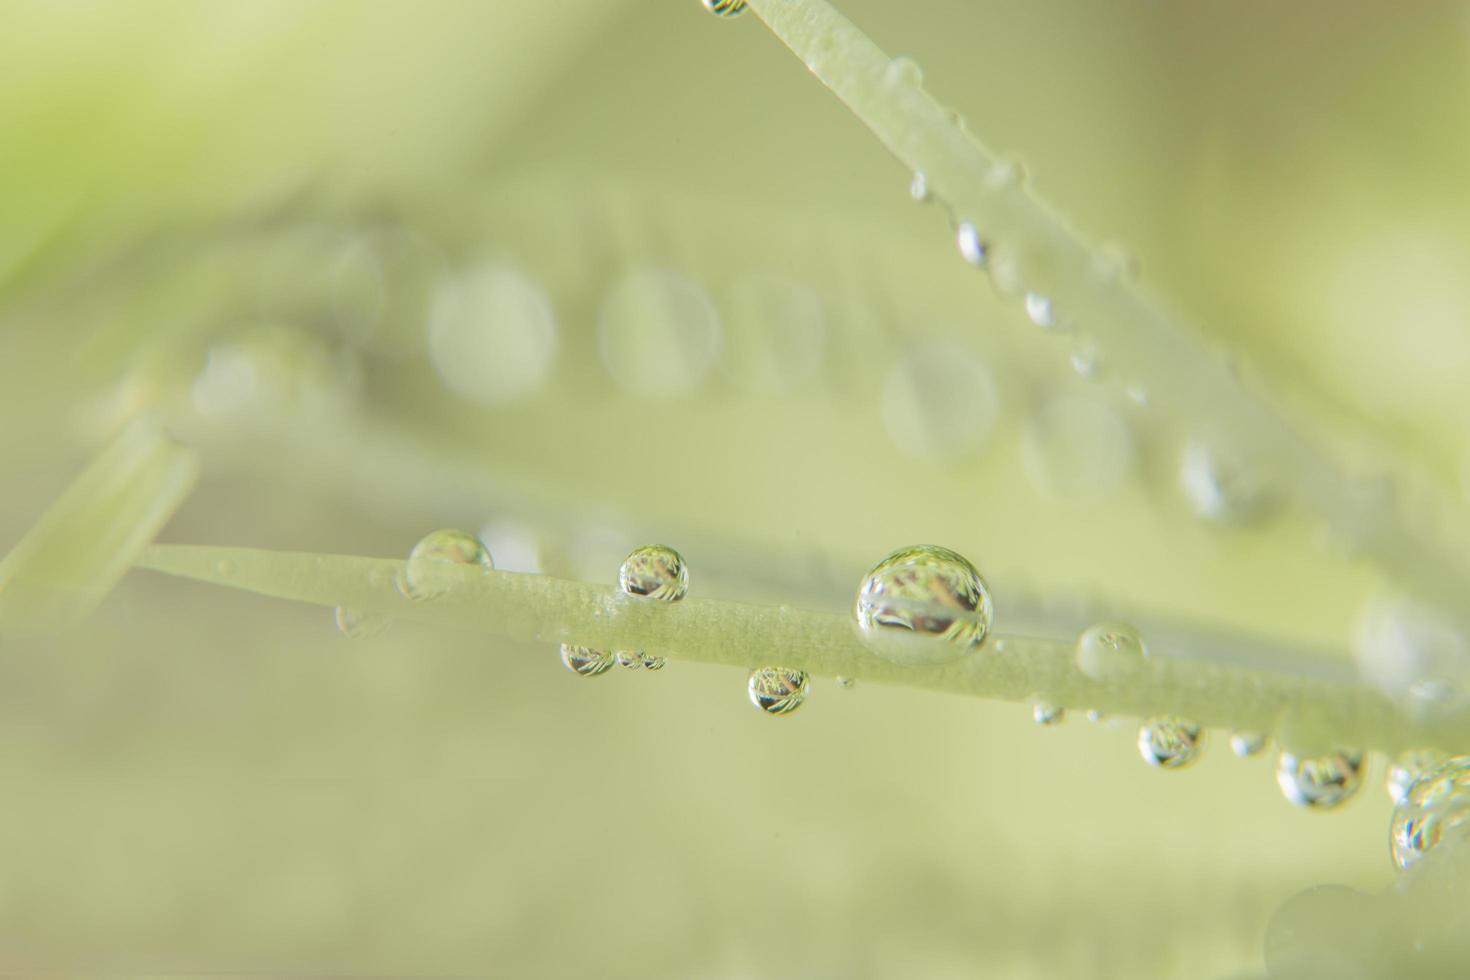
[1137, 394]
[1169, 742]
[777, 331]
[939, 403]
[1435, 809]
[434, 564]
[903, 71]
[919, 187]
[631, 659]
[725, 8]
[1247, 744]
[585, 660]
[778, 690]
[1411, 652]
[1407, 768]
[1221, 486]
[1094, 715]
[1046, 713]
[1076, 446]
[357, 623]
[1039, 311]
[923, 605]
[846, 683]
[224, 568]
[492, 334]
[658, 333]
[654, 571]
[1084, 360]
[1320, 782]
[653, 663]
[972, 248]
[1112, 262]
[1107, 651]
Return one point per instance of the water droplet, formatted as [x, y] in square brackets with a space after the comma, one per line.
[492, 335]
[1095, 716]
[1137, 394]
[777, 334]
[1407, 768]
[1076, 446]
[653, 663]
[654, 571]
[725, 8]
[1247, 744]
[1411, 652]
[1436, 808]
[1110, 650]
[1169, 742]
[433, 565]
[972, 248]
[923, 605]
[1221, 486]
[778, 690]
[357, 623]
[903, 71]
[225, 567]
[1084, 360]
[1320, 782]
[585, 660]
[1005, 172]
[658, 333]
[940, 403]
[1039, 311]
[1046, 713]
[846, 683]
[631, 659]
[919, 187]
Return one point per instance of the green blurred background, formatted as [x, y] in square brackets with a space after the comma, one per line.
[243, 218]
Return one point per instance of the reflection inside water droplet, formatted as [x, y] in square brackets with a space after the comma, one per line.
[1169, 742]
[778, 690]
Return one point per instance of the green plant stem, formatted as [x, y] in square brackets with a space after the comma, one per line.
[1309, 713]
[1033, 250]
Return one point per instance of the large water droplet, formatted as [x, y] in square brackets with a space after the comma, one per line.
[1320, 782]
[654, 571]
[358, 624]
[1407, 768]
[778, 690]
[585, 660]
[1110, 650]
[1436, 808]
[725, 8]
[1046, 713]
[1247, 744]
[658, 333]
[1169, 742]
[923, 605]
[492, 335]
[973, 248]
[940, 403]
[433, 564]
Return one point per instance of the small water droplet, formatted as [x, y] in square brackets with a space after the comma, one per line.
[1221, 486]
[1084, 360]
[903, 71]
[656, 572]
[225, 567]
[1169, 742]
[434, 564]
[653, 663]
[1320, 782]
[1109, 650]
[1046, 713]
[1005, 172]
[1247, 744]
[357, 623]
[778, 690]
[725, 8]
[972, 247]
[923, 605]
[919, 187]
[846, 683]
[1407, 768]
[631, 659]
[1435, 808]
[1137, 394]
[585, 660]
[1039, 311]
[1095, 716]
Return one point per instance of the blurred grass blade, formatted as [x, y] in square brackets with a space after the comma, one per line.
[74, 555]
